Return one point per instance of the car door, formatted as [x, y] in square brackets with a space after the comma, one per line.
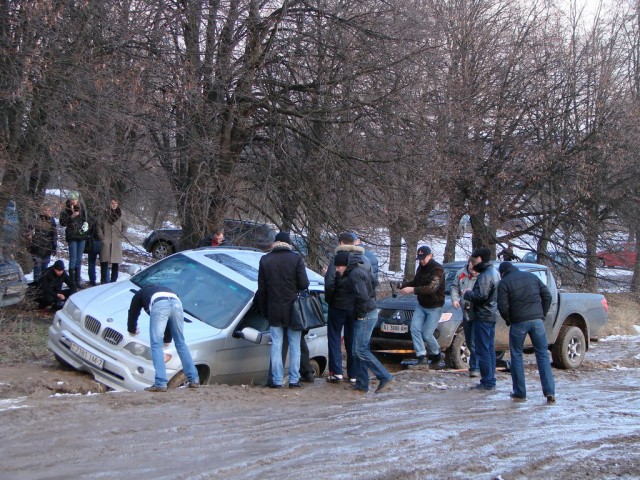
[242, 361]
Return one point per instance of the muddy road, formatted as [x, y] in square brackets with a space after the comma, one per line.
[429, 425]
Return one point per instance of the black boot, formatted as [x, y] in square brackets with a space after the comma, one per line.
[72, 278]
[114, 272]
[435, 361]
[79, 285]
[104, 270]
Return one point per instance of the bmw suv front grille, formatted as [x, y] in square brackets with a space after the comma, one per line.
[92, 324]
[111, 336]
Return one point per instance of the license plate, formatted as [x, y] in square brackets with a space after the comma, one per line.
[88, 356]
[394, 328]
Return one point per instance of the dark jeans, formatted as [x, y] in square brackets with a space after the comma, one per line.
[517, 335]
[485, 333]
[363, 359]
[40, 264]
[92, 257]
[338, 319]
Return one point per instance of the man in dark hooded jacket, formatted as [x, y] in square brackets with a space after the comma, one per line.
[484, 302]
[281, 275]
[50, 291]
[523, 302]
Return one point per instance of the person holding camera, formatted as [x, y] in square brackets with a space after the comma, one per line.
[464, 280]
[428, 285]
[74, 219]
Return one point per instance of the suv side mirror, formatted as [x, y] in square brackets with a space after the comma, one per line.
[133, 269]
[250, 334]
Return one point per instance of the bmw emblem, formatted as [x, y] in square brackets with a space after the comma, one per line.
[109, 320]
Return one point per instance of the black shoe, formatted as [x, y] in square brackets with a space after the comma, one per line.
[274, 386]
[551, 399]
[482, 388]
[295, 385]
[434, 360]
[153, 388]
[517, 398]
[422, 360]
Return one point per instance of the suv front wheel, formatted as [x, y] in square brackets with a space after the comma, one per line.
[161, 250]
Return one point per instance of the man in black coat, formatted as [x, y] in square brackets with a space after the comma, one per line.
[523, 302]
[50, 291]
[281, 275]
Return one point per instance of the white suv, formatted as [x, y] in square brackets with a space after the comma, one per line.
[228, 339]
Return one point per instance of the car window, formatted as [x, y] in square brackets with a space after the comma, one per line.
[236, 265]
[530, 257]
[254, 319]
[205, 294]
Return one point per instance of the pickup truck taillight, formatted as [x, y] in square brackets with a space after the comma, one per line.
[605, 305]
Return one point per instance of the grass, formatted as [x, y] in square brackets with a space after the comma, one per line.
[624, 313]
[24, 336]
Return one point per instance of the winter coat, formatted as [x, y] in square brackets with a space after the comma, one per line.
[361, 286]
[464, 280]
[281, 275]
[207, 241]
[50, 285]
[335, 286]
[44, 237]
[522, 296]
[110, 230]
[428, 284]
[484, 294]
[73, 226]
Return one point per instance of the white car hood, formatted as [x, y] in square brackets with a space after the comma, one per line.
[110, 305]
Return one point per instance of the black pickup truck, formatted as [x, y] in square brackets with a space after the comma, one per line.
[574, 319]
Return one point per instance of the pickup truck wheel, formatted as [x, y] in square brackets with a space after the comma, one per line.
[457, 355]
[569, 349]
[161, 250]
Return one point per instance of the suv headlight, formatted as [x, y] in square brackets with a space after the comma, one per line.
[72, 311]
[445, 317]
[139, 350]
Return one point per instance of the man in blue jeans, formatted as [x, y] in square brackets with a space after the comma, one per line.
[483, 298]
[523, 303]
[361, 286]
[166, 321]
[428, 285]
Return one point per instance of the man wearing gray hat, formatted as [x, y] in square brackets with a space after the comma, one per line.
[428, 285]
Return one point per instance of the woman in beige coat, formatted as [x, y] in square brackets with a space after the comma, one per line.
[111, 232]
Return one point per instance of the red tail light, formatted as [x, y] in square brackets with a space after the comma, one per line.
[605, 305]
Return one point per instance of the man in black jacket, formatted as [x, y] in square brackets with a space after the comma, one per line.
[281, 275]
[523, 302]
[428, 285]
[50, 291]
[361, 286]
[484, 298]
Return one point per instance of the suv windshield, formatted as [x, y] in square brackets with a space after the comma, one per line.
[205, 294]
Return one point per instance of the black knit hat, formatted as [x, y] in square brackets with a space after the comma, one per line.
[58, 265]
[341, 260]
[283, 237]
